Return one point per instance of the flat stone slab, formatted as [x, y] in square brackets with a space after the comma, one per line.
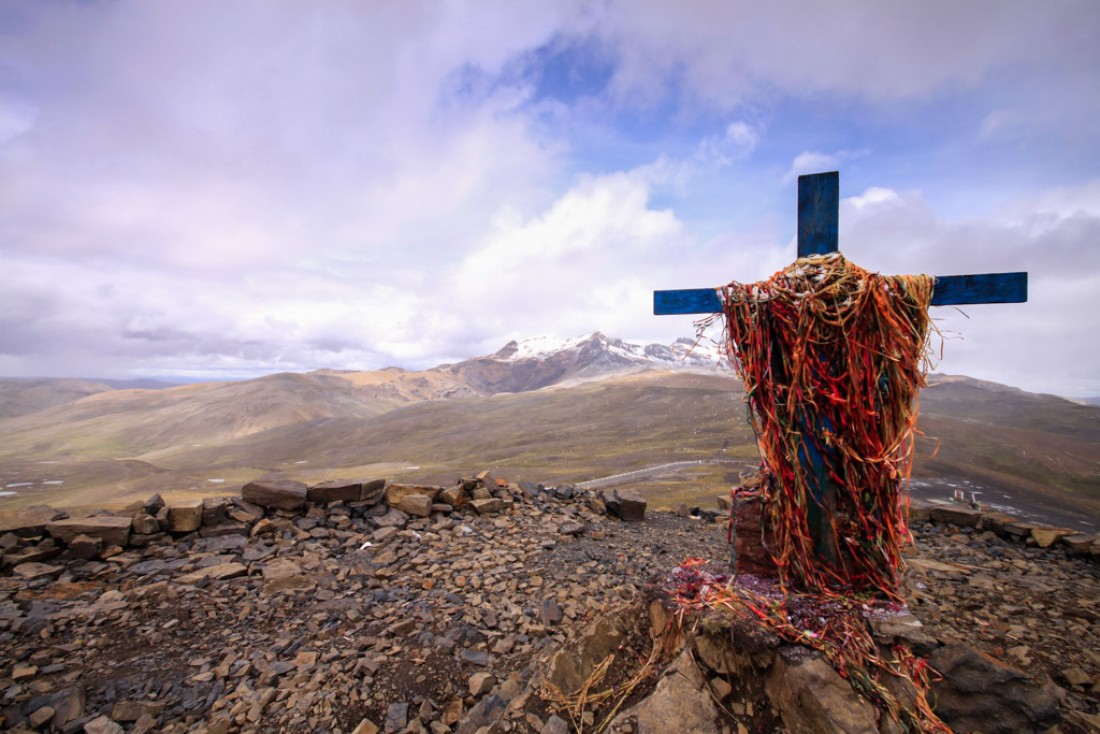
[334, 491]
[280, 568]
[28, 521]
[111, 530]
[219, 571]
[36, 570]
[956, 515]
[277, 494]
[1080, 543]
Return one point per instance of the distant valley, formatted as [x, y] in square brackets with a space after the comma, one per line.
[594, 407]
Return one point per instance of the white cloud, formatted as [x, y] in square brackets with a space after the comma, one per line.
[581, 263]
[191, 186]
[738, 141]
[873, 198]
[16, 117]
[810, 162]
[722, 49]
[1065, 202]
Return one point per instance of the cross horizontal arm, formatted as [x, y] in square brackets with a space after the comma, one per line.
[950, 290]
[985, 288]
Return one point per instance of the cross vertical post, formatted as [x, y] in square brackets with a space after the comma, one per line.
[818, 213]
[818, 222]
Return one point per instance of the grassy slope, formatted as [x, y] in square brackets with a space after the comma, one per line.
[23, 396]
[998, 436]
[594, 429]
[128, 423]
[1002, 435]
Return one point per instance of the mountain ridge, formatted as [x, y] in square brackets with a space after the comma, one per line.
[578, 410]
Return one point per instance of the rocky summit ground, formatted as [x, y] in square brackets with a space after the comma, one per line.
[1037, 609]
[354, 618]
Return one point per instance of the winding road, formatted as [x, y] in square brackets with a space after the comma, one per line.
[658, 469]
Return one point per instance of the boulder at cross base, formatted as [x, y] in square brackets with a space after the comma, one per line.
[812, 697]
[109, 530]
[680, 704]
[980, 693]
[276, 494]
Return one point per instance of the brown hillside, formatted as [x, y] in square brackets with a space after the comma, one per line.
[680, 435]
[19, 396]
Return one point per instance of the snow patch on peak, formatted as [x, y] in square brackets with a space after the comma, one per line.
[539, 347]
[683, 352]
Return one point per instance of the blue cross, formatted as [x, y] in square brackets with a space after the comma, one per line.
[818, 214]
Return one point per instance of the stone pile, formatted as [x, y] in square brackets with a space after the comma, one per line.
[41, 533]
[1008, 527]
[1033, 610]
[361, 607]
[332, 608]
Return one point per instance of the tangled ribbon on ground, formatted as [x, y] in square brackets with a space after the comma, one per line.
[832, 357]
[896, 682]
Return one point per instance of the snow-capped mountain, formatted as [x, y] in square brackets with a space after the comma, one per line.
[683, 352]
[535, 363]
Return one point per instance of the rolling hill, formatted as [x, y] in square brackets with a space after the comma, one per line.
[22, 396]
[561, 412]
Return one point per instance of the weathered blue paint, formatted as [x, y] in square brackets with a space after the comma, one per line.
[950, 290]
[818, 512]
[984, 288]
[818, 213]
[697, 300]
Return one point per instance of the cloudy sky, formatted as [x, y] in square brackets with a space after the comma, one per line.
[225, 189]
